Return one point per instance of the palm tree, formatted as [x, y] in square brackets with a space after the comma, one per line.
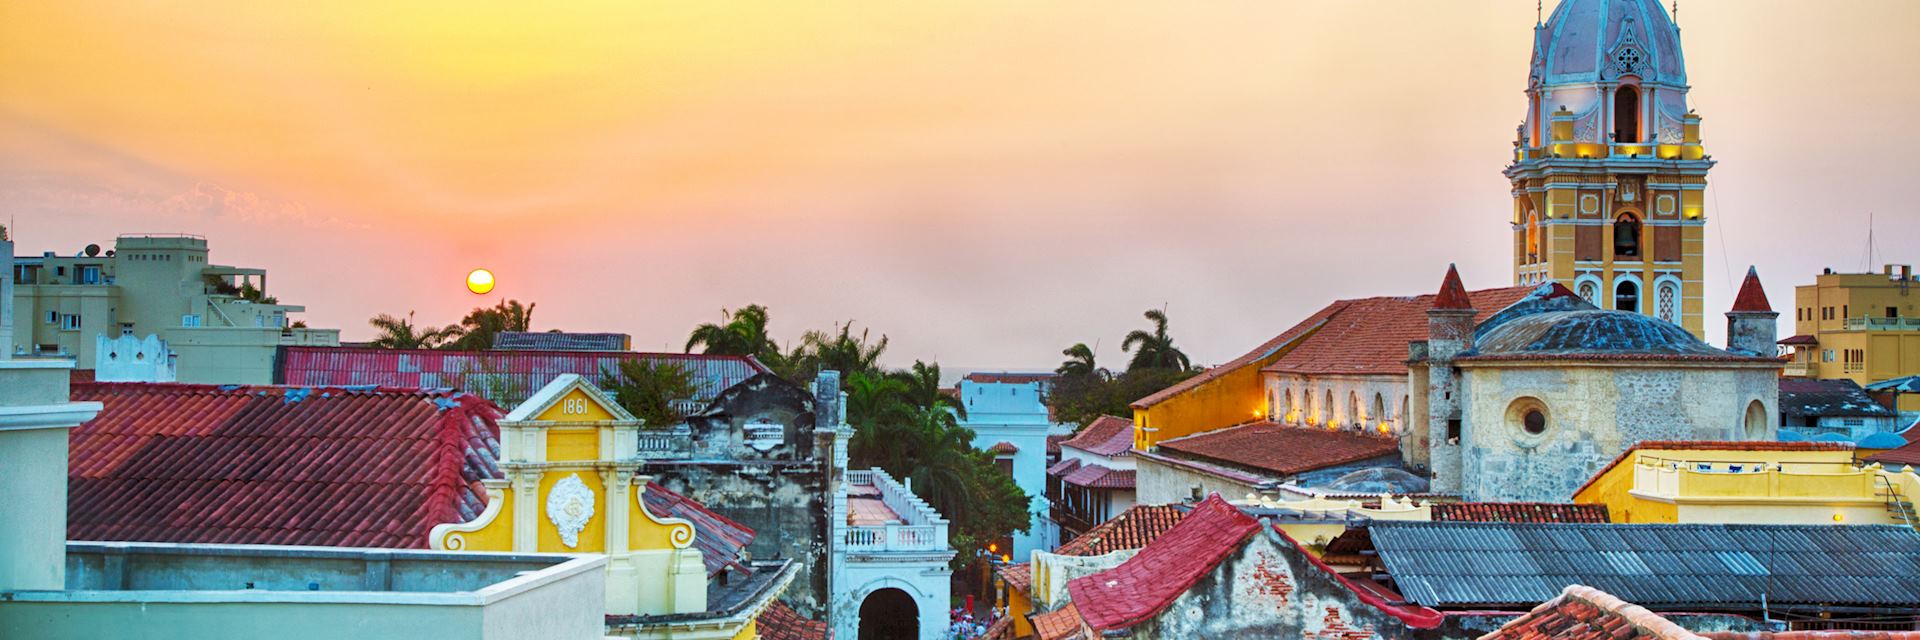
[841, 351]
[1156, 350]
[648, 390]
[740, 333]
[401, 333]
[1079, 363]
[477, 330]
[923, 388]
[876, 408]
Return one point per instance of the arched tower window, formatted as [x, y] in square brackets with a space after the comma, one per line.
[1380, 411]
[1293, 414]
[1327, 406]
[1626, 296]
[1666, 302]
[1626, 114]
[1756, 421]
[1533, 237]
[1354, 419]
[1626, 237]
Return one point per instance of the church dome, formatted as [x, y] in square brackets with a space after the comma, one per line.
[1593, 333]
[1590, 41]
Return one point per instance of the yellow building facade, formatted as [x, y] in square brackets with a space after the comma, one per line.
[573, 485]
[1609, 175]
[1863, 327]
[1751, 483]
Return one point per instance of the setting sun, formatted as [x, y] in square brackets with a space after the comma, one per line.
[480, 281]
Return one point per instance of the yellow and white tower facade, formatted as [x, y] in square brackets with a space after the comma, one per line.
[1608, 174]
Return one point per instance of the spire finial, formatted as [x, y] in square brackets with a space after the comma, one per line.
[1676, 14]
[1539, 7]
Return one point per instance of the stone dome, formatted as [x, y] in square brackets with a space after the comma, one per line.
[1592, 332]
[1589, 41]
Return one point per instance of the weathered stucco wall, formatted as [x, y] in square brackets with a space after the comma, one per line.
[1160, 483]
[758, 460]
[1593, 414]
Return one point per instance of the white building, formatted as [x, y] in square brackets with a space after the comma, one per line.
[1008, 415]
[889, 563]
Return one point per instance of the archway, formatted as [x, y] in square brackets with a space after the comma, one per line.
[889, 614]
[1626, 115]
[1756, 421]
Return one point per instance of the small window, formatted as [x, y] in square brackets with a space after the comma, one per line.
[1535, 422]
[1626, 296]
[53, 317]
[70, 322]
[1893, 312]
[59, 270]
[190, 320]
[1453, 430]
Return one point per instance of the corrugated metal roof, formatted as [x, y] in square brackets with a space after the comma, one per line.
[505, 377]
[1707, 566]
[560, 341]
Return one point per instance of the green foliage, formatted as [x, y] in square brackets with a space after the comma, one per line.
[647, 390]
[838, 350]
[402, 333]
[740, 333]
[478, 328]
[1155, 348]
[251, 294]
[1081, 400]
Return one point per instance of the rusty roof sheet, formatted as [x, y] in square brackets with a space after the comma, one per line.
[505, 377]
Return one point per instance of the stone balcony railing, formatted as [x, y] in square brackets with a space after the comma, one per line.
[1883, 324]
[1695, 480]
[921, 528]
[666, 444]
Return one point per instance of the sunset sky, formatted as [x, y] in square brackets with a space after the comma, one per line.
[984, 181]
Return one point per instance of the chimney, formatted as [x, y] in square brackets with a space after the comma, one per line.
[1752, 326]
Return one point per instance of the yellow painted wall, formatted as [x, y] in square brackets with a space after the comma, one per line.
[569, 444]
[644, 533]
[1232, 398]
[498, 534]
[592, 537]
[1018, 606]
[749, 631]
[1812, 493]
[576, 406]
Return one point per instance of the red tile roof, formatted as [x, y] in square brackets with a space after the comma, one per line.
[719, 539]
[1586, 613]
[1752, 296]
[1059, 624]
[1908, 455]
[1063, 467]
[1106, 436]
[1053, 443]
[277, 465]
[1094, 476]
[1018, 577]
[1712, 445]
[1003, 448]
[1266, 349]
[1282, 449]
[1369, 336]
[1800, 340]
[1453, 294]
[1146, 583]
[1134, 528]
[1519, 512]
[780, 622]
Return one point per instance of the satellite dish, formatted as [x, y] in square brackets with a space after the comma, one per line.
[93, 250]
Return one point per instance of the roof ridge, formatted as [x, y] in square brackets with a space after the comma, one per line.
[264, 389]
[1640, 617]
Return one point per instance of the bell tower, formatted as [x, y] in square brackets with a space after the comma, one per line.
[1608, 173]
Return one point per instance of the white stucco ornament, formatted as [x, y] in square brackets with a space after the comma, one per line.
[569, 507]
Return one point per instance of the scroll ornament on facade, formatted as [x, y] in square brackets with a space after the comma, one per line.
[569, 507]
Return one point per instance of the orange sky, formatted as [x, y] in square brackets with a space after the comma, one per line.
[985, 181]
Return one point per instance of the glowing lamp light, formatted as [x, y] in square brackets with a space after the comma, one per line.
[1839, 517]
[993, 547]
[480, 281]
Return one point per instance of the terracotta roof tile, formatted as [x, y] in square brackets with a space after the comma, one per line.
[1094, 476]
[1519, 512]
[1059, 624]
[780, 622]
[1453, 294]
[1752, 296]
[1134, 528]
[506, 377]
[1800, 340]
[1018, 577]
[1369, 336]
[1003, 448]
[1063, 467]
[1908, 455]
[1053, 443]
[1143, 585]
[1281, 449]
[1839, 634]
[277, 465]
[1266, 349]
[719, 539]
[1586, 613]
[1106, 436]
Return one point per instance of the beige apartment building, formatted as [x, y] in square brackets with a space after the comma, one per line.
[218, 321]
[1864, 327]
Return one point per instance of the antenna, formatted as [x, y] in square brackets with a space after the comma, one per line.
[1869, 268]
